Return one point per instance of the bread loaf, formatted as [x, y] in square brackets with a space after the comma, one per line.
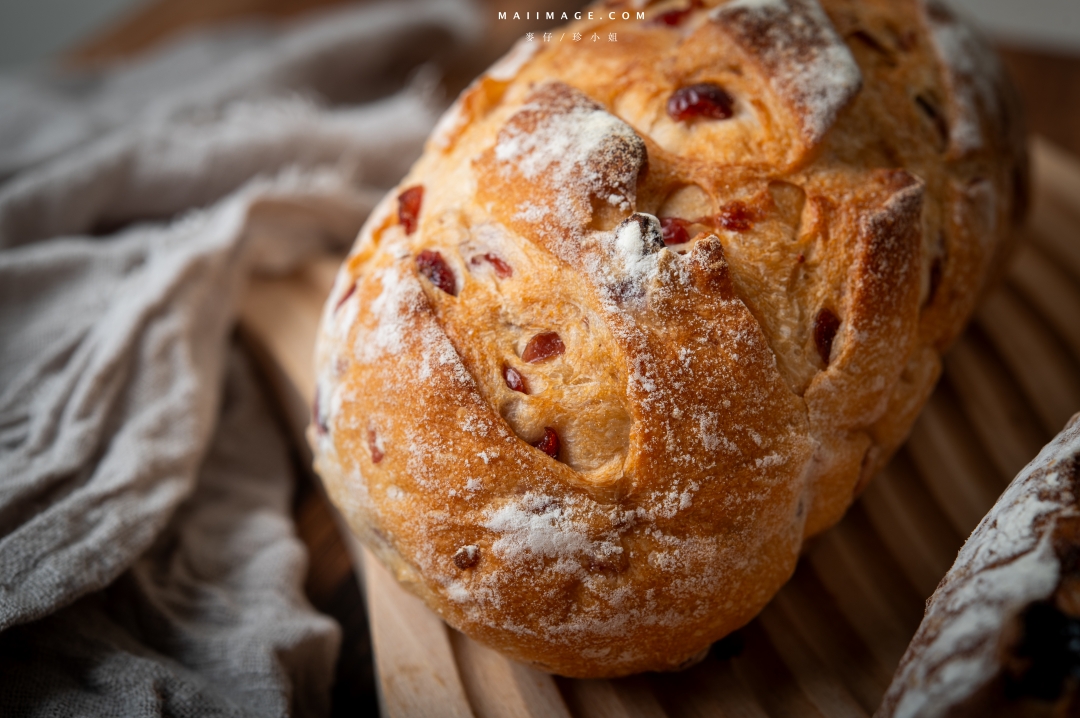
[652, 309]
[1001, 635]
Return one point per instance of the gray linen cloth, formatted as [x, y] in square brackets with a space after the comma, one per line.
[148, 563]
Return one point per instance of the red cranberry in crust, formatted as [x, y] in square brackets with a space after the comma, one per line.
[514, 379]
[543, 347]
[502, 269]
[673, 230]
[825, 327]
[704, 100]
[432, 265]
[373, 446]
[345, 297]
[408, 212]
[736, 217]
[467, 557]
[550, 443]
[673, 18]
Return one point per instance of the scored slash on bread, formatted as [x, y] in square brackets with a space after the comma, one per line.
[796, 47]
[625, 361]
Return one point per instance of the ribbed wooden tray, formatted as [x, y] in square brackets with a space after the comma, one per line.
[828, 643]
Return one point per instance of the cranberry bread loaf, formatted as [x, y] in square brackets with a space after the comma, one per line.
[650, 312]
[1001, 635]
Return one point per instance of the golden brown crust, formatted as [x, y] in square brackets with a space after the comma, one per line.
[714, 402]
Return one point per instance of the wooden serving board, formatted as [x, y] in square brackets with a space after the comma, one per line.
[828, 643]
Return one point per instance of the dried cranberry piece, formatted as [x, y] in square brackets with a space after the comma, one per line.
[550, 443]
[825, 326]
[502, 269]
[373, 446]
[432, 265]
[467, 557]
[673, 230]
[408, 212]
[736, 217]
[704, 99]
[514, 379]
[345, 297]
[543, 347]
[672, 18]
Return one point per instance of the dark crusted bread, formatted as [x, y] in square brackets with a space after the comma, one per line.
[648, 313]
[1001, 635]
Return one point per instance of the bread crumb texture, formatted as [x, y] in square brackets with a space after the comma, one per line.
[649, 313]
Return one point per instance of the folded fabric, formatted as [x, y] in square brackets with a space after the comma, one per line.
[211, 620]
[144, 533]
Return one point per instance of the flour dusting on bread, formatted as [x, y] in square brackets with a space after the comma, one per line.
[399, 299]
[800, 53]
[564, 140]
[510, 64]
[637, 240]
[538, 526]
[972, 76]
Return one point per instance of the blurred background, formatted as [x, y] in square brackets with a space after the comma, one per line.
[34, 30]
[1040, 39]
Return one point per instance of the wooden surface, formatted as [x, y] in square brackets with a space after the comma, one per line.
[828, 644]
